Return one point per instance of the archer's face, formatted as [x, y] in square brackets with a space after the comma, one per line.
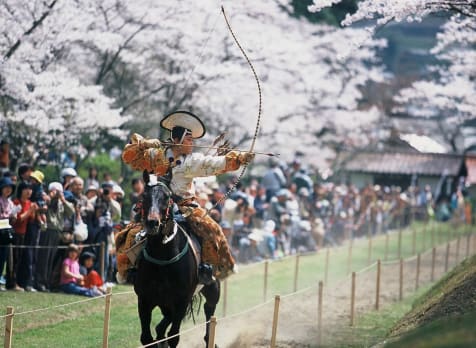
[187, 147]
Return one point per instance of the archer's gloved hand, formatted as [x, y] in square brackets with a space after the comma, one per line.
[246, 157]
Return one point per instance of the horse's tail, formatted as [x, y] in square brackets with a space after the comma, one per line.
[194, 307]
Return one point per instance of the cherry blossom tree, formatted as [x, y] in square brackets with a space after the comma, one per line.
[75, 68]
[446, 94]
[41, 100]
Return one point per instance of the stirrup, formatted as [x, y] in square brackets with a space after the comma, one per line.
[205, 274]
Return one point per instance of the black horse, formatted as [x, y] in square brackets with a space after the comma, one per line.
[167, 269]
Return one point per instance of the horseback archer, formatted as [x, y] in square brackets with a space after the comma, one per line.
[176, 157]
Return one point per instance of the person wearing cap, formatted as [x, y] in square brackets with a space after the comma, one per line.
[176, 156]
[59, 210]
[67, 174]
[7, 215]
[39, 197]
[92, 193]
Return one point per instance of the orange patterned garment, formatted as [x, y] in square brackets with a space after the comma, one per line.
[146, 154]
[215, 249]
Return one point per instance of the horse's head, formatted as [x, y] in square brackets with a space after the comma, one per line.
[157, 205]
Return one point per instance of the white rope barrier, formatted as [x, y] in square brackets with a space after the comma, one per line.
[48, 247]
[57, 306]
[366, 268]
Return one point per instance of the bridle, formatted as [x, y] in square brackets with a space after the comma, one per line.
[168, 215]
[161, 227]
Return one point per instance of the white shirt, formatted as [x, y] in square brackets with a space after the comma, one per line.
[192, 166]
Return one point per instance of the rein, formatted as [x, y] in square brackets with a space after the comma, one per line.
[158, 262]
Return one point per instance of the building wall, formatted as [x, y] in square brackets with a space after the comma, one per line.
[428, 180]
[360, 180]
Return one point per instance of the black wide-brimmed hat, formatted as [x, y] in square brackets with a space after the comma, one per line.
[186, 120]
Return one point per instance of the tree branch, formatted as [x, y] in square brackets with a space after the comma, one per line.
[35, 25]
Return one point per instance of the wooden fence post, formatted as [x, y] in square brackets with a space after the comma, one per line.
[265, 285]
[225, 296]
[458, 242]
[102, 254]
[447, 258]
[400, 241]
[417, 278]
[432, 232]
[377, 290]
[387, 239]
[369, 258]
[349, 257]
[468, 242]
[400, 291]
[296, 272]
[7, 342]
[107, 317]
[352, 300]
[413, 240]
[433, 259]
[425, 230]
[275, 321]
[319, 314]
[327, 266]
[211, 336]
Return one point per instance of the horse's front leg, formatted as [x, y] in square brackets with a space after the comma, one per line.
[175, 328]
[162, 326]
[145, 315]
[212, 296]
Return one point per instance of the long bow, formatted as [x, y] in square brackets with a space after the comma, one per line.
[258, 121]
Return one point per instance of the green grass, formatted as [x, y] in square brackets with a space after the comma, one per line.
[373, 327]
[455, 333]
[82, 324]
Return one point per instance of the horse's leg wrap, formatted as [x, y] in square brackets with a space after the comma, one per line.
[215, 249]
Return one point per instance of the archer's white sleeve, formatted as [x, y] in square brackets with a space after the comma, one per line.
[199, 165]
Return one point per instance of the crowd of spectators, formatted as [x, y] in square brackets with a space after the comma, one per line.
[285, 211]
[54, 225]
[59, 227]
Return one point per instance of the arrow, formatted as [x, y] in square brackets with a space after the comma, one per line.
[223, 148]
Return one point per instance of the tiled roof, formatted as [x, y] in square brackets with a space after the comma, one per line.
[403, 163]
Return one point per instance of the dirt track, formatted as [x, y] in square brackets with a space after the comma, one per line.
[297, 325]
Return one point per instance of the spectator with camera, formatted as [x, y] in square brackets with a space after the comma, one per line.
[67, 175]
[81, 202]
[107, 212]
[59, 210]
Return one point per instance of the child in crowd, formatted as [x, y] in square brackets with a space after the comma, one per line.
[91, 278]
[70, 276]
